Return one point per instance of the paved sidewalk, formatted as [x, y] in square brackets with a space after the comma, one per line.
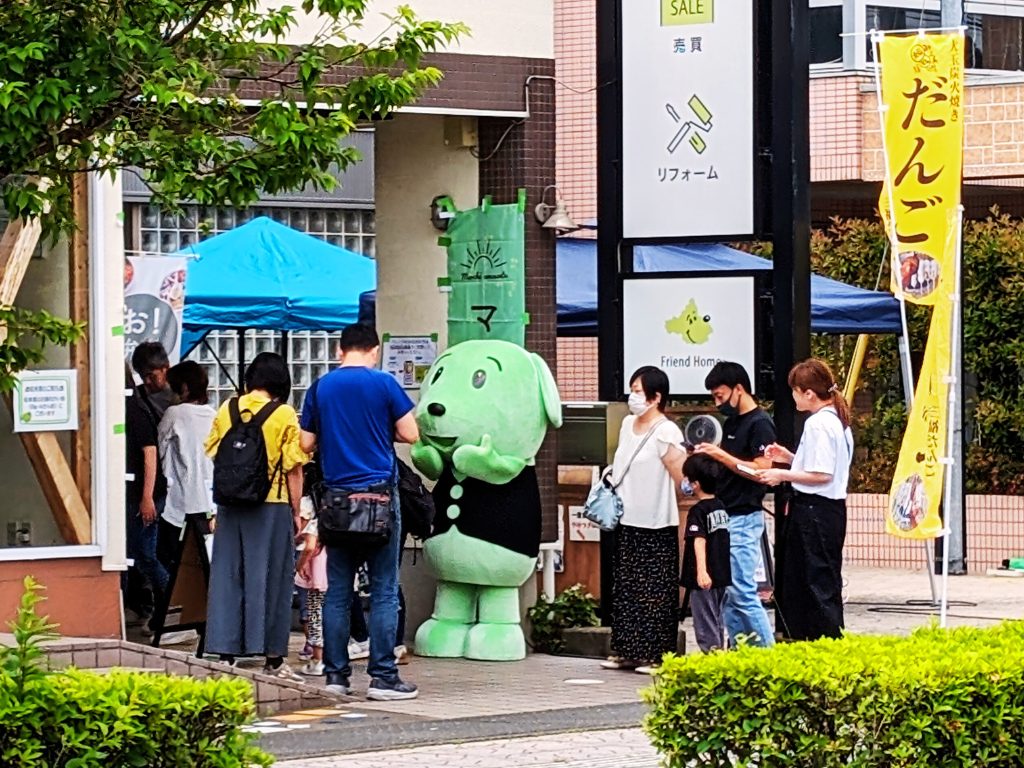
[624, 748]
[463, 701]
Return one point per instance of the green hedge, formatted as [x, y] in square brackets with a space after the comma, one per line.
[937, 699]
[79, 719]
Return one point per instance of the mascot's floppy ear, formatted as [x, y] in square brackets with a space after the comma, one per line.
[548, 391]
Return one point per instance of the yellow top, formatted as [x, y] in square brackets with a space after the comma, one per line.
[280, 432]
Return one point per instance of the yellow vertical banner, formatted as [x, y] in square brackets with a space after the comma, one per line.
[922, 93]
[917, 483]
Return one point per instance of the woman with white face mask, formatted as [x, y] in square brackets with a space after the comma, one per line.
[649, 467]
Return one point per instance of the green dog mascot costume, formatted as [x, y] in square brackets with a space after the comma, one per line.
[484, 409]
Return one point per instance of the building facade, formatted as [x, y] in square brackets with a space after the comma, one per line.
[487, 129]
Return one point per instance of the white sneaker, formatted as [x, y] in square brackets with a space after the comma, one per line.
[312, 669]
[357, 650]
[647, 669]
[284, 672]
[401, 654]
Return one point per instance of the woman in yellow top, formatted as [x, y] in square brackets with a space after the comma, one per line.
[253, 566]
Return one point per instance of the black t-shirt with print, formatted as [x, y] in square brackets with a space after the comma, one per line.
[745, 437]
[707, 520]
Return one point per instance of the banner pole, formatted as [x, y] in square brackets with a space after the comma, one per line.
[953, 396]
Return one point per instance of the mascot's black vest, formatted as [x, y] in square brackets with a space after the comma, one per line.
[507, 515]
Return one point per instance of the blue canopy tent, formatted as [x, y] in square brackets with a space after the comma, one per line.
[835, 306]
[266, 275]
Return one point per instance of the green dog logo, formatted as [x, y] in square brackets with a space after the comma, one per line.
[693, 328]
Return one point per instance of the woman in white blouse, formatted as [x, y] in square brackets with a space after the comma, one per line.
[649, 465]
[809, 580]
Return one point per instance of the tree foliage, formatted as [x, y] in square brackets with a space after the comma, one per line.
[163, 87]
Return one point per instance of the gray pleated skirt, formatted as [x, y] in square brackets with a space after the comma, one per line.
[252, 572]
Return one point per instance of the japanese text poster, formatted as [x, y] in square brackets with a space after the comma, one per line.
[154, 300]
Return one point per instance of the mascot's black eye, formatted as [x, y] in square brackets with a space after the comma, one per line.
[479, 379]
[707, 318]
[437, 375]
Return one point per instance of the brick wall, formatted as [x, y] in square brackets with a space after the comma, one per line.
[994, 133]
[577, 368]
[837, 143]
[515, 155]
[995, 531]
[576, 68]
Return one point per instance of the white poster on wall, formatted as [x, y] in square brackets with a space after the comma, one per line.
[154, 300]
[684, 325]
[46, 401]
[688, 118]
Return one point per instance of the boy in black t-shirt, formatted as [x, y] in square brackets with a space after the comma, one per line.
[706, 571]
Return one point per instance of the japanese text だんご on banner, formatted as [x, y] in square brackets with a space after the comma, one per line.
[922, 85]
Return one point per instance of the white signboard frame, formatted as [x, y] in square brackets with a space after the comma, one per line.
[688, 119]
[684, 323]
[46, 401]
[407, 358]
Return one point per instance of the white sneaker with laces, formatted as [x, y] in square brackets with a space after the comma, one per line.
[358, 650]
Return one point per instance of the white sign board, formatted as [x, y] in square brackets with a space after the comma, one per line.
[684, 325]
[408, 358]
[154, 300]
[687, 118]
[46, 401]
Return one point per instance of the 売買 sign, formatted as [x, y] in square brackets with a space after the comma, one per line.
[688, 143]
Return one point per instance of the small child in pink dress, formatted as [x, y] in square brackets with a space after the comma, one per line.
[311, 573]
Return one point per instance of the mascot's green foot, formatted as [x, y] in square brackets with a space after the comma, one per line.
[496, 642]
[442, 639]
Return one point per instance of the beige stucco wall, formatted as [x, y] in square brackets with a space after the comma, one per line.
[524, 28]
[413, 165]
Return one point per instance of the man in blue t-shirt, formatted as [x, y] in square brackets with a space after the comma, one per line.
[352, 417]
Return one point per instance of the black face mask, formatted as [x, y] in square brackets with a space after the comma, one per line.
[727, 409]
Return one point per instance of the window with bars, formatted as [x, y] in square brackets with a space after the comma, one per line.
[309, 353]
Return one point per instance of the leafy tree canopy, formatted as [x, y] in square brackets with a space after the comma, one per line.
[157, 85]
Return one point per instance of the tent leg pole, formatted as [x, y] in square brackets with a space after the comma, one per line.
[241, 360]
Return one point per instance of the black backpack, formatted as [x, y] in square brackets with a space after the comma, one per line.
[240, 466]
[416, 503]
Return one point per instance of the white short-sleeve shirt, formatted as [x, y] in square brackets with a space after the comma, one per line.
[825, 447]
[648, 493]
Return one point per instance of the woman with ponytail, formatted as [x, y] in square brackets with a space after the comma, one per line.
[809, 579]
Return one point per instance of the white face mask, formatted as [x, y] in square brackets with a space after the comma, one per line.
[638, 404]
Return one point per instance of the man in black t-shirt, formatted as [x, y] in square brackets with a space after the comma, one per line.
[748, 430]
[146, 487]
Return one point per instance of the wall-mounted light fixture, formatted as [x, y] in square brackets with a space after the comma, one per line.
[442, 211]
[554, 216]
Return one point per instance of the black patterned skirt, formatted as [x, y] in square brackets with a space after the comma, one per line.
[645, 592]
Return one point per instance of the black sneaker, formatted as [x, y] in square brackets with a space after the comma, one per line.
[337, 684]
[391, 690]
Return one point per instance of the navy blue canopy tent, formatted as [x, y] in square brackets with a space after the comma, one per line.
[835, 306]
[266, 275]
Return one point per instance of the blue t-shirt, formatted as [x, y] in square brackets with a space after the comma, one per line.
[353, 411]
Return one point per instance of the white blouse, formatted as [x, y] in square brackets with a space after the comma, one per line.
[826, 448]
[648, 493]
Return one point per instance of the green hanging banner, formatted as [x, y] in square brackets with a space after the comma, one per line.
[487, 273]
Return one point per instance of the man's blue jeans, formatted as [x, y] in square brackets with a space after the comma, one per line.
[382, 562]
[141, 547]
[744, 613]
